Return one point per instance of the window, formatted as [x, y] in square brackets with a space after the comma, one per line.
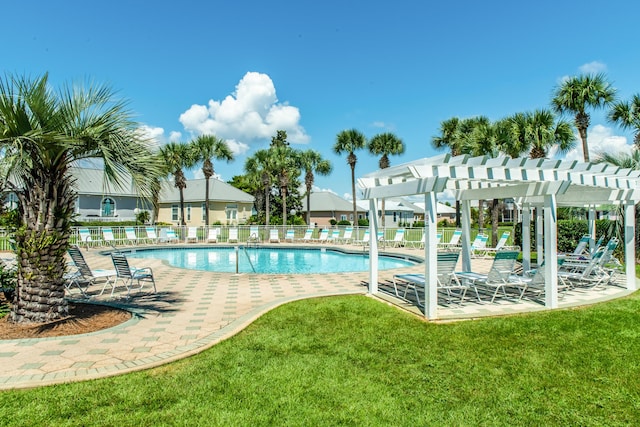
[108, 207]
[343, 217]
[395, 216]
[174, 212]
[204, 211]
[232, 212]
[188, 211]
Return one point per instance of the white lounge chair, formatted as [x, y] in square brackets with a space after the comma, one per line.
[498, 277]
[308, 236]
[152, 237]
[501, 245]
[347, 236]
[454, 243]
[334, 236]
[479, 245]
[108, 237]
[274, 236]
[233, 235]
[132, 238]
[212, 235]
[365, 238]
[254, 235]
[290, 236]
[84, 236]
[171, 235]
[323, 236]
[85, 275]
[192, 234]
[398, 239]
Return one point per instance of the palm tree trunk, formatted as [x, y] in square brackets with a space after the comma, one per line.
[353, 193]
[182, 219]
[308, 206]
[283, 192]
[494, 221]
[585, 147]
[206, 202]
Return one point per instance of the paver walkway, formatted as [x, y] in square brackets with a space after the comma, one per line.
[192, 311]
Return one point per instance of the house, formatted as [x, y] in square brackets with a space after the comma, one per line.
[99, 200]
[396, 213]
[442, 211]
[326, 206]
[227, 204]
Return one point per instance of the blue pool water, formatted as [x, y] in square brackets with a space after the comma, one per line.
[267, 260]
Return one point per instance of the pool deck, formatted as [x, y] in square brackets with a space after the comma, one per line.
[194, 310]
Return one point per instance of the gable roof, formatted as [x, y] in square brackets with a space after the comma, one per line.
[219, 191]
[326, 201]
[92, 182]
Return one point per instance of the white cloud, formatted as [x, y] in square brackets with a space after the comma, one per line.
[593, 67]
[175, 136]
[252, 113]
[154, 134]
[600, 139]
[378, 124]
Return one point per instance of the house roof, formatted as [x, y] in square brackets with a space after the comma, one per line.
[441, 208]
[92, 182]
[389, 205]
[327, 201]
[195, 192]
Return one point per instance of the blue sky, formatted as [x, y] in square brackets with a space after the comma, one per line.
[245, 69]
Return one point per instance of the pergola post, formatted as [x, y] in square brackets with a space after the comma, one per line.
[431, 257]
[373, 246]
[630, 244]
[591, 223]
[526, 237]
[550, 252]
[466, 237]
[539, 235]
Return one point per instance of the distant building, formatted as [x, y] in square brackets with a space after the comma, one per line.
[227, 204]
[326, 206]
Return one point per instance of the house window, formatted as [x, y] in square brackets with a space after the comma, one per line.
[189, 212]
[108, 207]
[232, 212]
[174, 212]
[395, 216]
[343, 217]
[204, 211]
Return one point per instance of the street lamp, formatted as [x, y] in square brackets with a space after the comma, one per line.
[293, 213]
[136, 211]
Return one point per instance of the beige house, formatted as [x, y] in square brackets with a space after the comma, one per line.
[326, 206]
[227, 204]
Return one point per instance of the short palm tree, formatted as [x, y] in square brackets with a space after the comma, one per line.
[176, 157]
[576, 94]
[350, 141]
[449, 137]
[627, 115]
[384, 145]
[42, 134]
[312, 163]
[206, 148]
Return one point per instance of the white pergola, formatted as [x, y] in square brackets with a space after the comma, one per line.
[533, 183]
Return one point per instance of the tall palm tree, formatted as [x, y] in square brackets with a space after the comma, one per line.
[449, 137]
[285, 167]
[385, 144]
[258, 168]
[312, 163]
[350, 141]
[209, 147]
[42, 133]
[536, 133]
[576, 94]
[176, 157]
[627, 115]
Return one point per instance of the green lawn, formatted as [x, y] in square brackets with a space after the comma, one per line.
[355, 361]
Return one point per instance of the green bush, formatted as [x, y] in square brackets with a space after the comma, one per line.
[363, 222]
[344, 222]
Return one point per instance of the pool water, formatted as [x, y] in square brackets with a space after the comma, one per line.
[268, 260]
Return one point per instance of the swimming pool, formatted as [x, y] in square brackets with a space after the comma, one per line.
[268, 260]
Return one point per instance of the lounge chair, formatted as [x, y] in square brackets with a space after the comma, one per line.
[254, 235]
[534, 283]
[420, 243]
[308, 235]
[132, 238]
[274, 236]
[498, 277]
[192, 234]
[85, 276]
[398, 239]
[233, 235]
[152, 237]
[454, 243]
[290, 236]
[365, 238]
[108, 237]
[501, 245]
[212, 235]
[591, 272]
[334, 236]
[128, 275]
[346, 237]
[380, 235]
[479, 245]
[323, 236]
[84, 235]
[448, 282]
[169, 235]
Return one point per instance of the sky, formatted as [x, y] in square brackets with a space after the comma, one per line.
[243, 70]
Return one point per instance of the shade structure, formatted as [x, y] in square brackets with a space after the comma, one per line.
[545, 184]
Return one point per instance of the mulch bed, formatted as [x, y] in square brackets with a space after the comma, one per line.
[83, 318]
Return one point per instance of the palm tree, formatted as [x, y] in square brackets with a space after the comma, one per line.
[42, 133]
[349, 141]
[449, 137]
[177, 156]
[312, 162]
[258, 169]
[536, 133]
[209, 147]
[578, 93]
[285, 168]
[627, 115]
[385, 144]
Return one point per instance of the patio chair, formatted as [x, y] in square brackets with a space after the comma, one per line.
[192, 234]
[85, 275]
[501, 245]
[380, 236]
[497, 279]
[171, 235]
[591, 272]
[233, 235]
[212, 235]
[254, 235]
[448, 282]
[290, 235]
[398, 239]
[535, 282]
[108, 237]
[132, 238]
[365, 239]
[323, 236]
[454, 243]
[334, 236]
[130, 275]
[152, 237]
[347, 236]
[308, 235]
[274, 236]
[85, 237]
[479, 245]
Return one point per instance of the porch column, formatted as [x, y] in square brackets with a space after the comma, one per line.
[466, 237]
[550, 252]
[630, 245]
[430, 257]
[526, 237]
[591, 222]
[540, 234]
[373, 246]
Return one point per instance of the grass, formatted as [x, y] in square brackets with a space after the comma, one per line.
[354, 361]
